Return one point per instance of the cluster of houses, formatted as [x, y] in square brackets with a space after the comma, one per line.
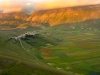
[24, 35]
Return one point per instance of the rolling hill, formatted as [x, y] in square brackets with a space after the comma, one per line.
[17, 60]
[13, 16]
[66, 15]
[9, 21]
[50, 17]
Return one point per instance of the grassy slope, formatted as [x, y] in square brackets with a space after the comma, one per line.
[67, 54]
[22, 61]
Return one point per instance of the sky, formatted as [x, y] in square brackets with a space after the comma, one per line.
[29, 6]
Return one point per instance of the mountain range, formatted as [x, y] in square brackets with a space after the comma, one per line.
[52, 17]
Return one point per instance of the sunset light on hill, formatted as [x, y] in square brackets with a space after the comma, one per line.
[49, 37]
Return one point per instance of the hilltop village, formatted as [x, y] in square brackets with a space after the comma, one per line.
[24, 35]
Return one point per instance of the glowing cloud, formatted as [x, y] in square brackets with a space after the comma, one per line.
[8, 6]
[49, 4]
[28, 6]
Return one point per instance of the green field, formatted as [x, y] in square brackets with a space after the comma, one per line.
[59, 50]
[78, 53]
[15, 60]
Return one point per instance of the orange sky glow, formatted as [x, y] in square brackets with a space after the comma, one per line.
[29, 6]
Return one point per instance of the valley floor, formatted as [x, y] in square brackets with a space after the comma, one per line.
[57, 51]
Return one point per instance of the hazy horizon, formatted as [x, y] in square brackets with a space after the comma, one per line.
[29, 6]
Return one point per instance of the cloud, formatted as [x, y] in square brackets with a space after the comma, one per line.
[8, 6]
[28, 6]
[49, 4]
[55, 4]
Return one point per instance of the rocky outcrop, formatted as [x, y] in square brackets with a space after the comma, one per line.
[66, 15]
